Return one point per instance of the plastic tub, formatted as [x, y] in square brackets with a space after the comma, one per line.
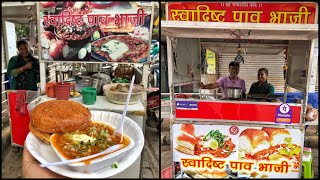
[89, 95]
[62, 91]
[50, 89]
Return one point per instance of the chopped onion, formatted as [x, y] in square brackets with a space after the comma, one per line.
[65, 51]
[88, 47]
[82, 53]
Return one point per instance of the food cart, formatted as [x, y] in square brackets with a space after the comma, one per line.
[240, 139]
[83, 32]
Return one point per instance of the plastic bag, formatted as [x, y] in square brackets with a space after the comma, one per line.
[312, 114]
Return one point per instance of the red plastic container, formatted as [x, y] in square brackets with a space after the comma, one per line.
[166, 173]
[50, 90]
[62, 91]
[19, 123]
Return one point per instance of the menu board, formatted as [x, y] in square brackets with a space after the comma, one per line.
[242, 111]
[244, 12]
[100, 31]
[232, 151]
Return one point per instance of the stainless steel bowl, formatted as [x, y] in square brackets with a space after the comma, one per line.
[99, 80]
[234, 92]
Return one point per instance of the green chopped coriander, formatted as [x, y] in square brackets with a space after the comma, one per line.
[114, 165]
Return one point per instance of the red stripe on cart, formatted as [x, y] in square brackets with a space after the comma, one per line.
[236, 112]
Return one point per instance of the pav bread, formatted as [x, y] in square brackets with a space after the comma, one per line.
[277, 135]
[58, 116]
[186, 144]
[253, 140]
[212, 173]
[187, 128]
[45, 137]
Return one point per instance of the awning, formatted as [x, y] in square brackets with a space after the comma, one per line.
[18, 12]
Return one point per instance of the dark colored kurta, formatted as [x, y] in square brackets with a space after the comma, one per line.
[265, 88]
[26, 80]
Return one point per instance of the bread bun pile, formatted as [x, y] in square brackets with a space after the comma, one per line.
[252, 140]
[277, 135]
[186, 141]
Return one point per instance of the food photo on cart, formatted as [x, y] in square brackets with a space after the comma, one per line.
[88, 116]
[97, 36]
[242, 89]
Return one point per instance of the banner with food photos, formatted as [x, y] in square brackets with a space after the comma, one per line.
[232, 151]
[94, 31]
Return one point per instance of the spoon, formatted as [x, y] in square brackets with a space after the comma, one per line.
[119, 129]
[105, 152]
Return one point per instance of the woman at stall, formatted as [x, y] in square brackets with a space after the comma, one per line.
[262, 86]
[24, 74]
[24, 69]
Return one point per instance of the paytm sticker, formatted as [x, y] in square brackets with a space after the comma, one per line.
[189, 105]
[193, 105]
[284, 114]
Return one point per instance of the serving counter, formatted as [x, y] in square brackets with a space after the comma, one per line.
[135, 112]
[102, 104]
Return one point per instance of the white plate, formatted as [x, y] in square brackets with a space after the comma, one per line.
[44, 153]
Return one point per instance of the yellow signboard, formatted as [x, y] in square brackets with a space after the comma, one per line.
[211, 61]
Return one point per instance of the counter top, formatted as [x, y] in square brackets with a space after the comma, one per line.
[315, 122]
[101, 104]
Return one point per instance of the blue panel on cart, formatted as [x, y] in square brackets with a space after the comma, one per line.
[191, 105]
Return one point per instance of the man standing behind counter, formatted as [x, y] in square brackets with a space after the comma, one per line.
[229, 81]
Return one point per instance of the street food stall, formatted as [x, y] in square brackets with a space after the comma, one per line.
[242, 137]
[96, 33]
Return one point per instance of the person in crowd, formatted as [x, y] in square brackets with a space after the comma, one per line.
[24, 69]
[229, 81]
[262, 86]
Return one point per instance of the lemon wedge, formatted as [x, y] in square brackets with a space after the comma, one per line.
[214, 144]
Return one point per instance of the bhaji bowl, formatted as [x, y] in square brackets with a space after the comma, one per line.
[76, 36]
[92, 140]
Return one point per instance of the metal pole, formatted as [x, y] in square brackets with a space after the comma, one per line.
[309, 58]
[42, 78]
[286, 75]
[170, 74]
